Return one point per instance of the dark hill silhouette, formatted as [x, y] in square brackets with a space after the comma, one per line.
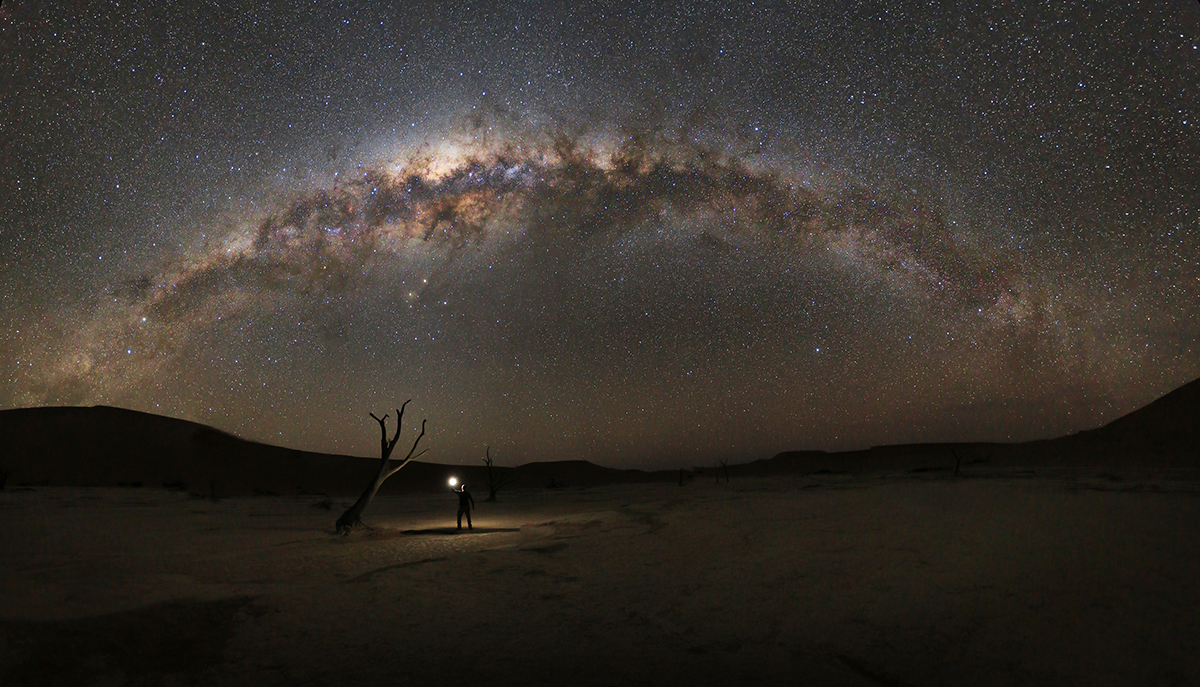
[104, 446]
[1162, 434]
[1167, 428]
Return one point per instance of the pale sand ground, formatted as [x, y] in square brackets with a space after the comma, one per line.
[826, 579]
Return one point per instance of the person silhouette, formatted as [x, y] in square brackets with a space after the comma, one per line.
[465, 503]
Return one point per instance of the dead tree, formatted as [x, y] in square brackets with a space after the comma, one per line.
[724, 469]
[495, 478]
[353, 516]
[958, 459]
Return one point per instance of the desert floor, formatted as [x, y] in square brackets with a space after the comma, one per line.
[876, 579]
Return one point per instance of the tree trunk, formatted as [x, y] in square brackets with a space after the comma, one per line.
[353, 515]
[495, 479]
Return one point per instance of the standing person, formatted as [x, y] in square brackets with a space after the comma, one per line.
[465, 503]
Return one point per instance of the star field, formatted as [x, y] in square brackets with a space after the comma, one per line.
[643, 236]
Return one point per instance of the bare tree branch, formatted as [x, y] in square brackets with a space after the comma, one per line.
[496, 477]
[353, 515]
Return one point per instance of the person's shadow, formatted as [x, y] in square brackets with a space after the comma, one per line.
[456, 530]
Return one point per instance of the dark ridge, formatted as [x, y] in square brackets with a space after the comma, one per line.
[1168, 425]
[1163, 434]
[104, 446]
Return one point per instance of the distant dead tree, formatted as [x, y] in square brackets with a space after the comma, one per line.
[958, 459]
[495, 478]
[724, 469]
[353, 516]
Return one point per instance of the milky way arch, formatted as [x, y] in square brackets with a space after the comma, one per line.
[318, 241]
[431, 221]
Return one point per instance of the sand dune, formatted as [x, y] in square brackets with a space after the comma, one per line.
[102, 446]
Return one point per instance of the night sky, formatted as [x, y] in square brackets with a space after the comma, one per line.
[645, 236]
